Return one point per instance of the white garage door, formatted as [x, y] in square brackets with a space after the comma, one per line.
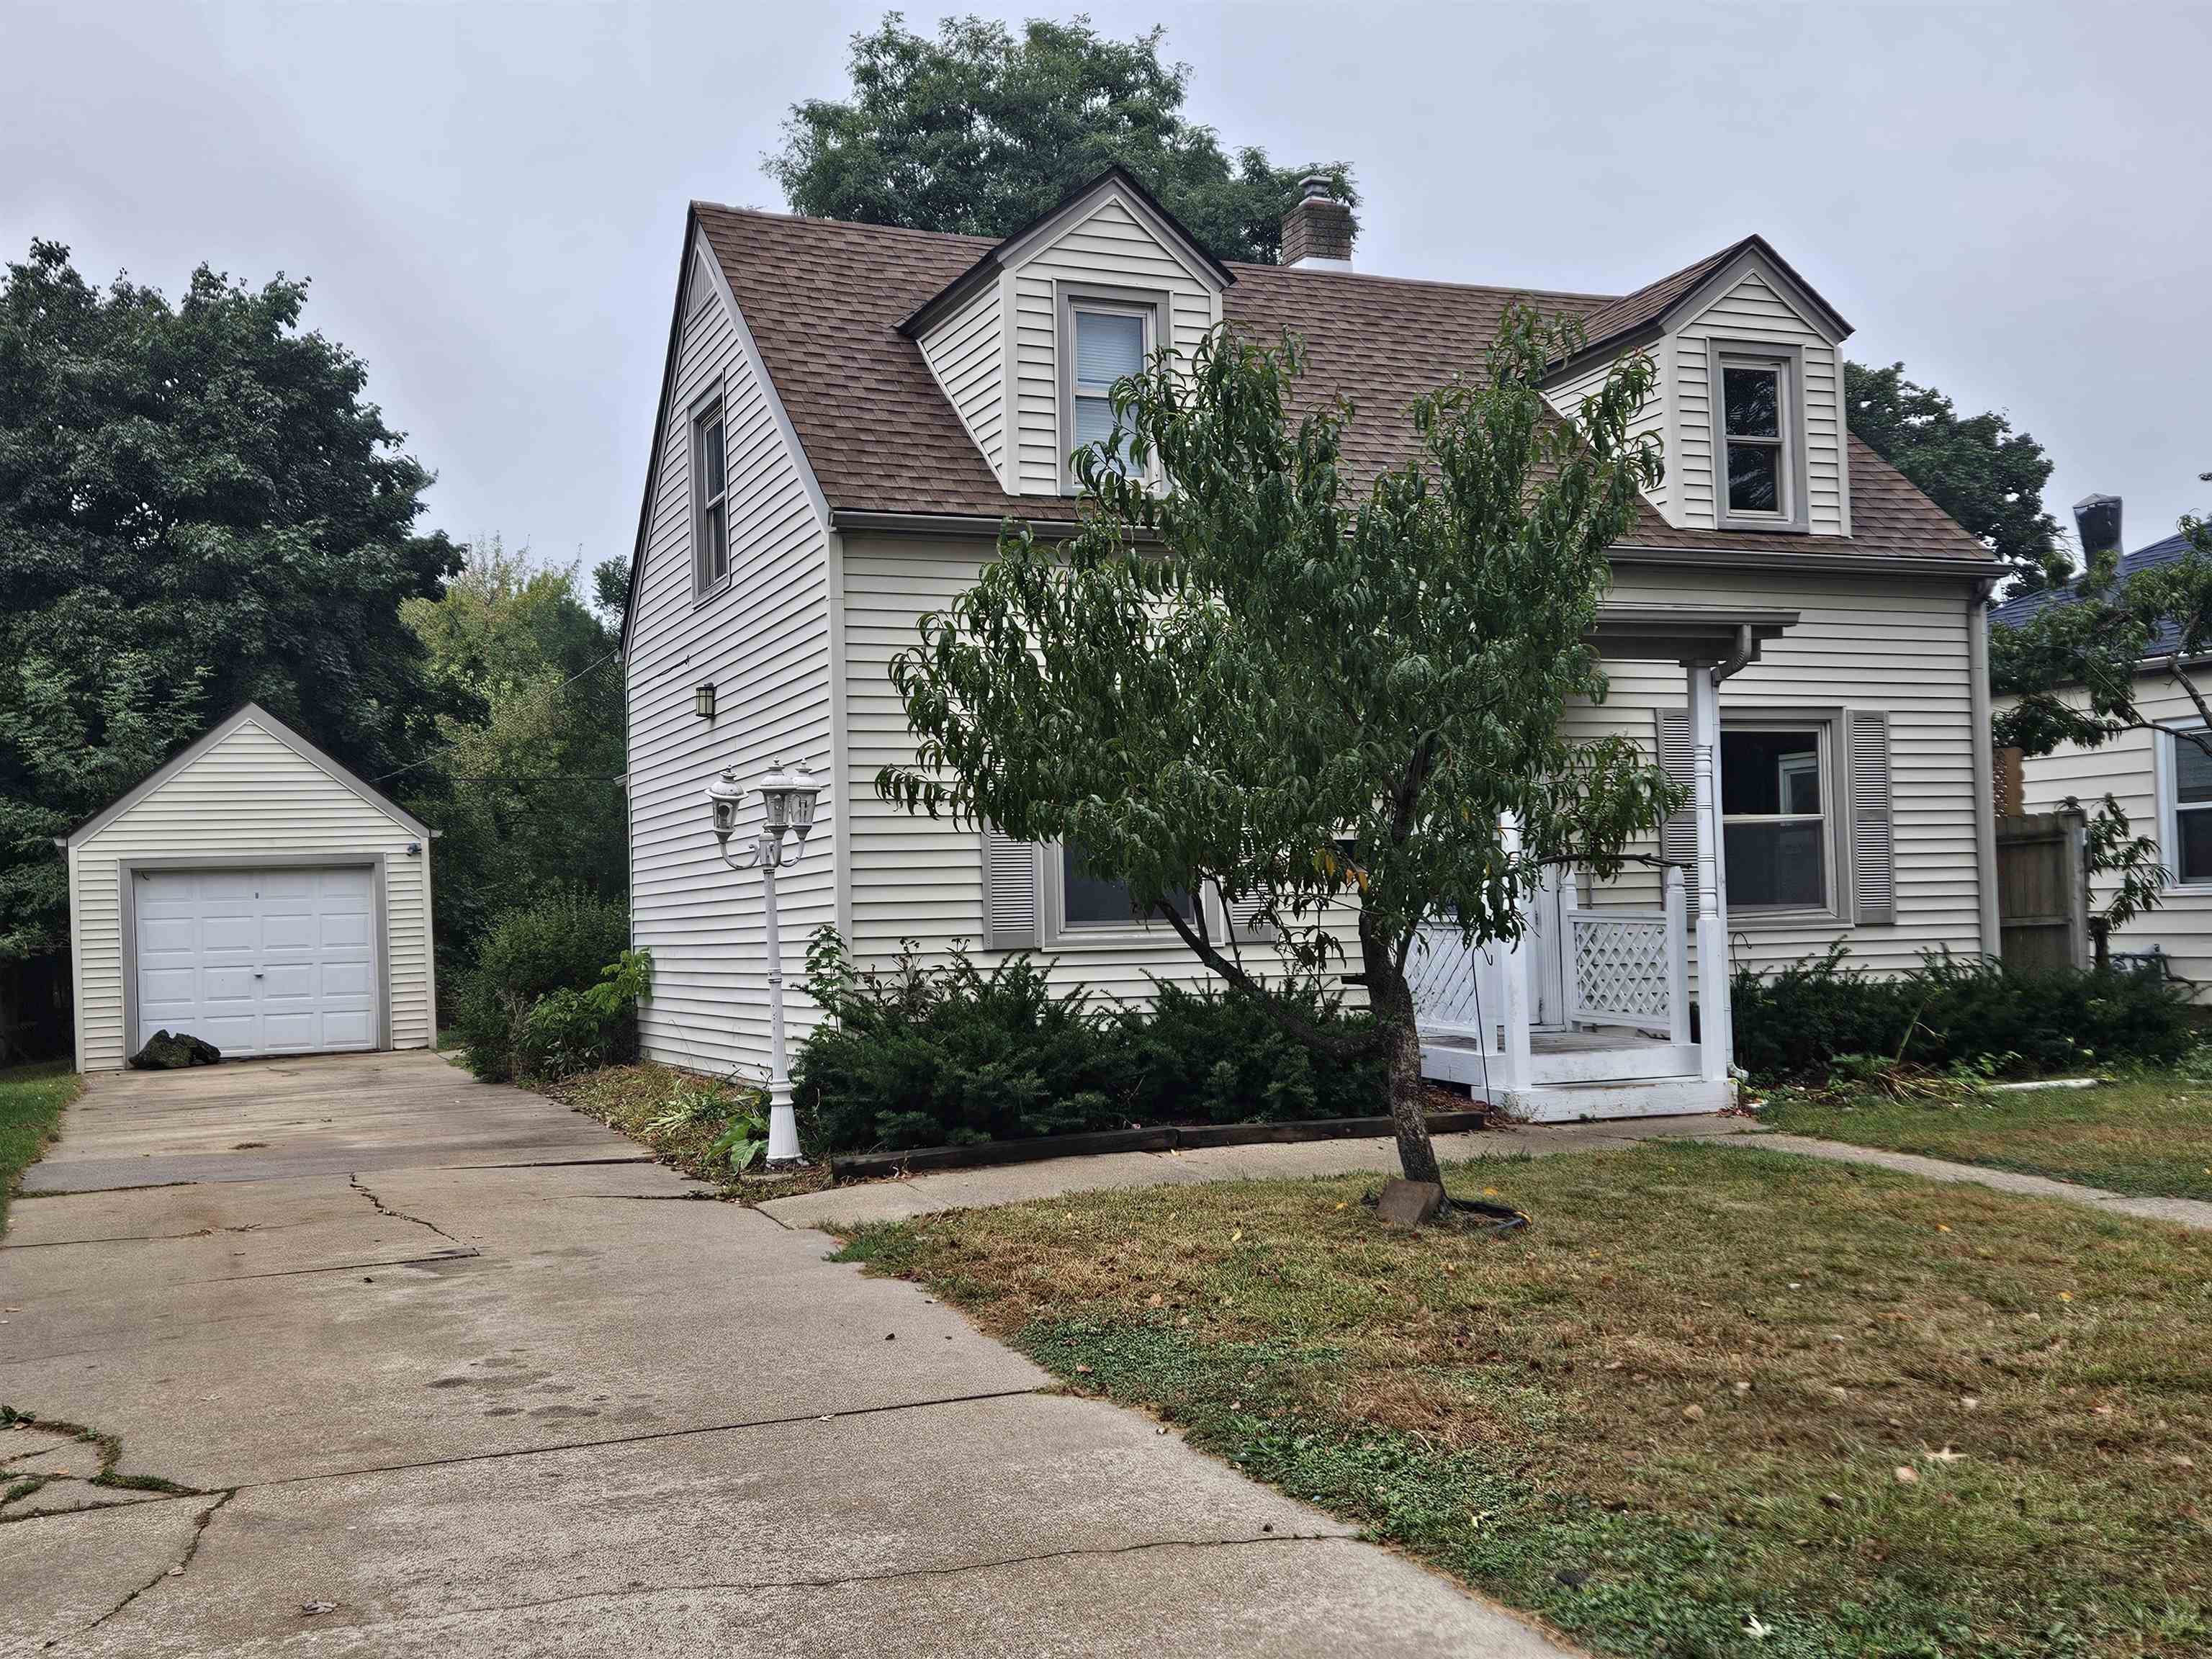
[258, 962]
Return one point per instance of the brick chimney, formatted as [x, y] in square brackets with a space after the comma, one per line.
[1318, 230]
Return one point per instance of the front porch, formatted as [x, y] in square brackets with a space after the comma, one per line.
[1589, 1013]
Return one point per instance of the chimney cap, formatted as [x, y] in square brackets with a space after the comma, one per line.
[2096, 520]
[1317, 187]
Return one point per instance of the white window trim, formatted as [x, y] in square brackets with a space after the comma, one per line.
[1154, 305]
[2170, 806]
[1058, 934]
[1788, 362]
[1827, 726]
[713, 405]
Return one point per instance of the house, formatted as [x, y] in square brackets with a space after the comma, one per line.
[2162, 779]
[849, 412]
[255, 893]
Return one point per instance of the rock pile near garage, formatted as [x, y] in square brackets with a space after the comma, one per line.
[165, 1052]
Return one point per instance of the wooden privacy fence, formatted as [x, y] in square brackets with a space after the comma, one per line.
[2043, 897]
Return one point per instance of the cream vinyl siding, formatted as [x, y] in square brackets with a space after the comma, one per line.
[763, 640]
[1893, 646]
[1112, 248]
[1754, 312]
[2130, 769]
[1652, 420]
[249, 793]
[964, 353]
[920, 878]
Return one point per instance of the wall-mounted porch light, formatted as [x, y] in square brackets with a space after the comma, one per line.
[702, 700]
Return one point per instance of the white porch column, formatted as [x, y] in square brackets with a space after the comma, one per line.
[1717, 1038]
[1514, 961]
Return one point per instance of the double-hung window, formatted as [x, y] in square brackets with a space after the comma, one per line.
[2189, 841]
[1756, 440]
[1776, 837]
[1103, 341]
[710, 514]
[1090, 901]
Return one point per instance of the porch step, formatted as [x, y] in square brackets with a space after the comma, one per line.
[1664, 1096]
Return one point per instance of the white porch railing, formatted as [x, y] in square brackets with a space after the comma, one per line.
[1628, 967]
[1620, 966]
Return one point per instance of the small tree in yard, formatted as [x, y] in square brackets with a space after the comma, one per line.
[1256, 678]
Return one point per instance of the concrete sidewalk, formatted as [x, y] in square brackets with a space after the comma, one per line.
[442, 1369]
[844, 1207]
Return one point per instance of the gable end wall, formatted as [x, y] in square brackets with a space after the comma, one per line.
[763, 641]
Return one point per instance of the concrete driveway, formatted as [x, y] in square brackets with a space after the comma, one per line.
[439, 1367]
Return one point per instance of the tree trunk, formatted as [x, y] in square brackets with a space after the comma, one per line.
[1392, 1000]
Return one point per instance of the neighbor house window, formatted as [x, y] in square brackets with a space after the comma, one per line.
[1777, 837]
[2192, 813]
[1103, 341]
[710, 514]
[1756, 435]
[1090, 901]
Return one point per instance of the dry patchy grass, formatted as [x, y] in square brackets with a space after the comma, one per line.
[31, 1102]
[1680, 1402]
[633, 1100]
[2150, 1133]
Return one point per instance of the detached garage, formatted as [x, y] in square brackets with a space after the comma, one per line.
[254, 893]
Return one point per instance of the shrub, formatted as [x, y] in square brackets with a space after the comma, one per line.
[567, 1031]
[923, 1056]
[563, 942]
[1951, 1010]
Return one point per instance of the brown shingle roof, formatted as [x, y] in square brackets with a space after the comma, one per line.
[823, 300]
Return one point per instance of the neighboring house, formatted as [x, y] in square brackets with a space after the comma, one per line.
[255, 893]
[2162, 779]
[850, 411]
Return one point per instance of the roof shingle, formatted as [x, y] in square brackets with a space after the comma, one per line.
[823, 300]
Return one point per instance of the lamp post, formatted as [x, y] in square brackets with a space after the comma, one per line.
[787, 797]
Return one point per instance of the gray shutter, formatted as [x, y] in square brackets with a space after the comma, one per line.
[1244, 924]
[1874, 853]
[1678, 836]
[1013, 884]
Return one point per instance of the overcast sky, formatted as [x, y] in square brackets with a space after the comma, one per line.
[489, 198]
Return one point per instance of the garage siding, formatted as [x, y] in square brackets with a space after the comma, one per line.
[249, 793]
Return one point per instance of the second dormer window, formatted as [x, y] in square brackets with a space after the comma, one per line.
[1756, 424]
[1104, 341]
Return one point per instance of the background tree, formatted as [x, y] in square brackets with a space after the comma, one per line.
[979, 131]
[520, 781]
[198, 507]
[1266, 682]
[2079, 672]
[1975, 467]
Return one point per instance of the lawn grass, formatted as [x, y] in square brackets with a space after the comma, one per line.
[1670, 1417]
[2148, 1132]
[633, 1100]
[31, 1102]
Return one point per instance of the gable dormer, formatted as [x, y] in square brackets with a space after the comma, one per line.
[1026, 343]
[1749, 403]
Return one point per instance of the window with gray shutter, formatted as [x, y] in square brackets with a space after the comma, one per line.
[1874, 853]
[1678, 836]
[1245, 927]
[1013, 884]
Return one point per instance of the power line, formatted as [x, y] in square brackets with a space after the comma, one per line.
[557, 689]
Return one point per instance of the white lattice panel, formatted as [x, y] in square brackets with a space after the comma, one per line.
[1619, 967]
[1441, 971]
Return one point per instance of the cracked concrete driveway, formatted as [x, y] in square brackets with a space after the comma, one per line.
[404, 1364]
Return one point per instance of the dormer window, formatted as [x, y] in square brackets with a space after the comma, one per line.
[1758, 420]
[1105, 336]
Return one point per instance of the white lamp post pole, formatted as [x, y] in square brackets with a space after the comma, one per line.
[787, 801]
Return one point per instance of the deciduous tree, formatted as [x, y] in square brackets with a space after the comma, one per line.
[979, 130]
[1305, 692]
[198, 506]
